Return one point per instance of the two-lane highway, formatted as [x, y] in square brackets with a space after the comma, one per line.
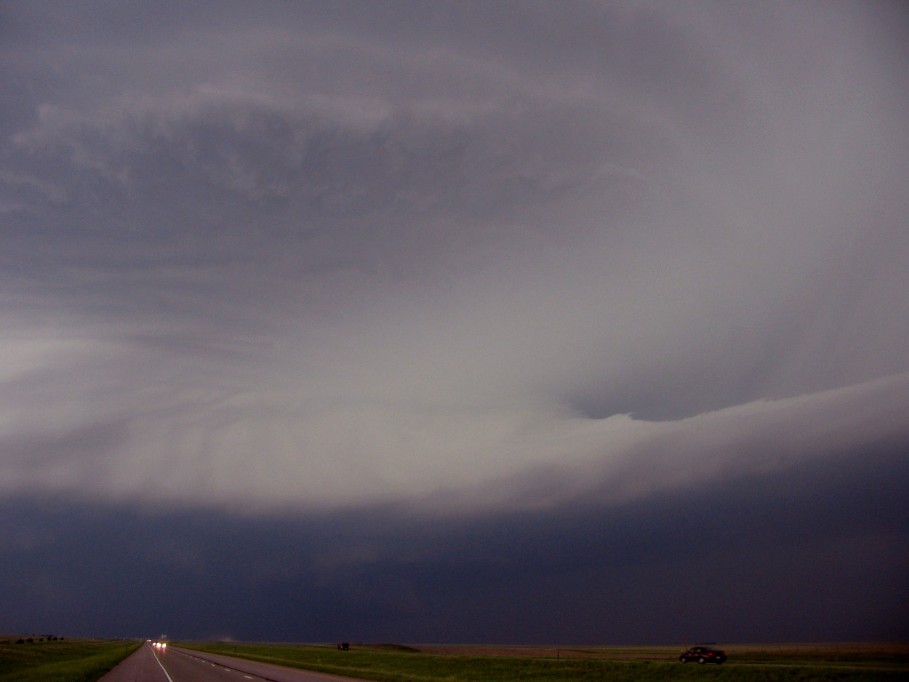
[149, 664]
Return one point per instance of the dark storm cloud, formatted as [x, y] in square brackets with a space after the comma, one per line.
[782, 563]
[525, 266]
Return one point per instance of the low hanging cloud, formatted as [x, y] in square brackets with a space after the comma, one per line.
[235, 440]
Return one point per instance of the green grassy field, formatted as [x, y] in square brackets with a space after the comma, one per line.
[70, 660]
[391, 663]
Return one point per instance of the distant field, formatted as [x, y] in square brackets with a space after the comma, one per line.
[70, 660]
[430, 663]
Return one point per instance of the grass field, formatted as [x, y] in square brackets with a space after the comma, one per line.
[70, 660]
[423, 663]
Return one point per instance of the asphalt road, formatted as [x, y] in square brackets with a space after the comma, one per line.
[181, 665]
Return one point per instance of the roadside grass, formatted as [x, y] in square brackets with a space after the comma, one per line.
[385, 663]
[72, 660]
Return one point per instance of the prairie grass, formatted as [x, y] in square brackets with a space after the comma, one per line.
[74, 660]
[386, 663]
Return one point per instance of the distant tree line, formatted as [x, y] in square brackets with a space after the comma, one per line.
[31, 640]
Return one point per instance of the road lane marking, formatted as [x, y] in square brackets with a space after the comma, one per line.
[170, 679]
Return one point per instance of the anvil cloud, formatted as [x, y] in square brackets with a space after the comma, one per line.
[455, 261]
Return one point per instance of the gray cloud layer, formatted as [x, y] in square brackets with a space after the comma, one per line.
[470, 258]
[812, 552]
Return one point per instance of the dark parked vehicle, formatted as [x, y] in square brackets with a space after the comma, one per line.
[703, 654]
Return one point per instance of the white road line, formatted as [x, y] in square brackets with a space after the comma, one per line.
[162, 667]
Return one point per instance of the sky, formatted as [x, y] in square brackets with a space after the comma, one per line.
[516, 322]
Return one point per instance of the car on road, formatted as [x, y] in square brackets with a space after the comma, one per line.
[703, 654]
